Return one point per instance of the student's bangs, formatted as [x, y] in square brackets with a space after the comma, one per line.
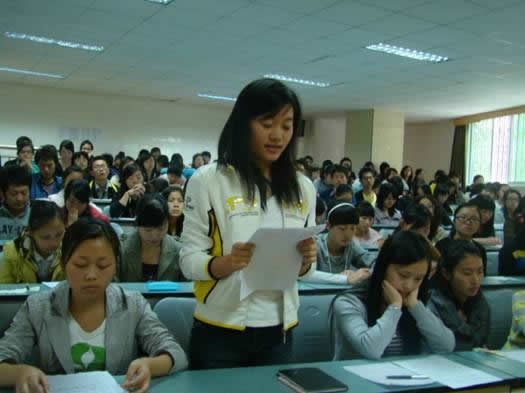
[342, 213]
[365, 209]
[483, 202]
[87, 228]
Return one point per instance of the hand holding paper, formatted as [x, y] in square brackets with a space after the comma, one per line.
[277, 258]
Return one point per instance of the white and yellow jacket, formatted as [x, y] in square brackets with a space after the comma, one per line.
[217, 215]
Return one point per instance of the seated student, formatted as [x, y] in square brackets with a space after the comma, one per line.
[516, 339]
[366, 178]
[87, 315]
[174, 196]
[344, 192]
[115, 179]
[340, 259]
[324, 183]
[420, 175]
[157, 185]
[35, 255]
[441, 193]
[420, 188]
[81, 160]
[131, 190]
[339, 176]
[457, 298]
[46, 182]
[365, 235]
[174, 176]
[100, 186]
[511, 201]
[14, 212]
[385, 213]
[149, 253]
[146, 162]
[407, 176]
[437, 232]
[70, 174]
[390, 318]
[77, 203]
[486, 234]
[315, 172]
[499, 216]
[512, 254]
[88, 148]
[457, 197]
[24, 155]
[467, 219]
[66, 151]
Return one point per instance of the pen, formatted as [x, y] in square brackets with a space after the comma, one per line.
[406, 377]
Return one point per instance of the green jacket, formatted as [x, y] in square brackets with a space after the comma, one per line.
[19, 265]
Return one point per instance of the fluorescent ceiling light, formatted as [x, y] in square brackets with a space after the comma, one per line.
[163, 2]
[405, 52]
[31, 73]
[52, 41]
[217, 97]
[295, 80]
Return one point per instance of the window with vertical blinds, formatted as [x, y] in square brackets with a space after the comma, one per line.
[495, 149]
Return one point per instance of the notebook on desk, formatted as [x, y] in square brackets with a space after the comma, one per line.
[310, 380]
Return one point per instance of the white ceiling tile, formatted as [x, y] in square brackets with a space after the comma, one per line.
[300, 6]
[352, 13]
[396, 5]
[446, 11]
[398, 25]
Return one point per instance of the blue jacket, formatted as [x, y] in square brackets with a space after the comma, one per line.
[37, 188]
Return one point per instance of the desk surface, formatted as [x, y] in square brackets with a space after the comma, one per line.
[263, 380]
[496, 362]
[305, 288]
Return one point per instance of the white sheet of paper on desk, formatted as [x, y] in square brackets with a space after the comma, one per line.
[276, 263]
[518, 355]
[447, 372]
[92, 382]
[20, 291]
[51, 284]
[378, 372]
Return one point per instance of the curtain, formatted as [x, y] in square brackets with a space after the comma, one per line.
[457, 162]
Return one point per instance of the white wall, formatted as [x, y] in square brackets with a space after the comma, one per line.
[387, 138]
[324, 138]
[429, 146]
[112, 123]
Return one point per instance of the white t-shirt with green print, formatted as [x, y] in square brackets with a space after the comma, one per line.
[87, 349]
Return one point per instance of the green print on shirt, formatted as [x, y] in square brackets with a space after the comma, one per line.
[88, 358]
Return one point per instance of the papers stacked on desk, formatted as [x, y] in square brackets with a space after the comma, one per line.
[92, 382]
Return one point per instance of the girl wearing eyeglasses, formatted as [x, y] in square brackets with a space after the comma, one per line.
[467, 220]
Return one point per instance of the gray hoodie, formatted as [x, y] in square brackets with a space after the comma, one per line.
[11, 227]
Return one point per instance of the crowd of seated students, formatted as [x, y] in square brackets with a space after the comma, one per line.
[420, 293]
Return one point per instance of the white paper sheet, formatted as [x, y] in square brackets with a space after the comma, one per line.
[51, 284]
[92, 382]
[19, 291]
[518, 355]
[276, 263]
[447, 372]
[378, 372]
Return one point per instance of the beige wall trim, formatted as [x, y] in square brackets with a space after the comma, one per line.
[488, 115]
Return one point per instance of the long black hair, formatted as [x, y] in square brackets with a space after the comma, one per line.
[454, 254]
[505, 197]
[384, 191]
[436, 218]
[402, 248]
[263, 97]
[483, 202]
[166, 195]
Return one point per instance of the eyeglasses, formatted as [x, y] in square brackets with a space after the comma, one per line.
[472, 220]
[511, 199]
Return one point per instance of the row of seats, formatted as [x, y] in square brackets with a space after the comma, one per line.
[311, 341]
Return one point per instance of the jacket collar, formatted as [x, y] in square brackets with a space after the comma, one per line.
[59, 325]
[164, 259]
